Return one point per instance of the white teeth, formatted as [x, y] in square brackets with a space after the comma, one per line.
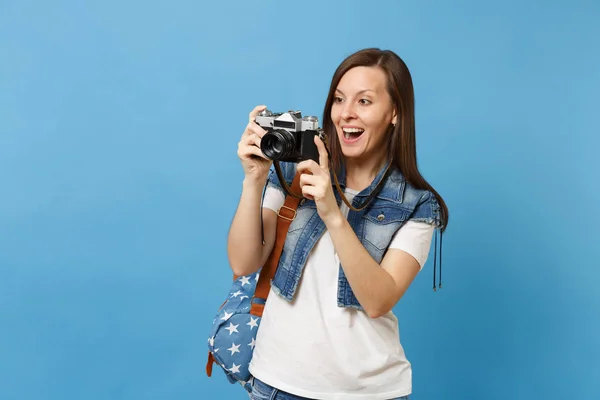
[353, 130]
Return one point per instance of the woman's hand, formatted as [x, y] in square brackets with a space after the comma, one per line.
[256, 165]
[315, 183]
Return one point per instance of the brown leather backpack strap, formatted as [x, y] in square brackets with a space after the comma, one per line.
[209, 364]
[286, 215]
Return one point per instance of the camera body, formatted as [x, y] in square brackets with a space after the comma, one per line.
[290, 136]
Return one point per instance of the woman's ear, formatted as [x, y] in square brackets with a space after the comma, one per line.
[394, 118]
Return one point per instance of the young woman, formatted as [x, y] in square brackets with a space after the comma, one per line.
[328, 330]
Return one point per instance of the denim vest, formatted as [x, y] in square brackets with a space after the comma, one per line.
[375, 225]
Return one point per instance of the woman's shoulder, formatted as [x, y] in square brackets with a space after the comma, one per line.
[422, 203]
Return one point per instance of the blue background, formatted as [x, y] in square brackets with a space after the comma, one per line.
[119, 123]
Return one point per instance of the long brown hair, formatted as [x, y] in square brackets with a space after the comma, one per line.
[402, 149]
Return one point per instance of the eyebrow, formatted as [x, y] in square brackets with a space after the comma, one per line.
[360, 92]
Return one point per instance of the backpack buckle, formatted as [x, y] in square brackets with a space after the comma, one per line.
[284, 217]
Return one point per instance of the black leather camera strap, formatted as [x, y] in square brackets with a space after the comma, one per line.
[337, 185]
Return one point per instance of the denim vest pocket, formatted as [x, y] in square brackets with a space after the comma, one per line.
[381, 223]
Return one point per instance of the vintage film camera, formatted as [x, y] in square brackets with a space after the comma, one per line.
[290, 136]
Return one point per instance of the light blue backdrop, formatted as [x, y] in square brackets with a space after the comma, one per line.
[119, 123]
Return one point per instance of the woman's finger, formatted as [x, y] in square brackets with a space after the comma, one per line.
[254, 151]
[323, 157]
[307, 191]
[254, 113]
[252, 140]
[253, 129]
[257, 129]
[308, 166]
[308, 179]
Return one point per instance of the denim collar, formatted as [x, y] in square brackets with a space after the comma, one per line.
[393, 182]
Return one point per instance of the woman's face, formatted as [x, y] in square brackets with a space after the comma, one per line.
[362, 112]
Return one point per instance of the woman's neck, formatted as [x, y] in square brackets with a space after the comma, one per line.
[360, 175]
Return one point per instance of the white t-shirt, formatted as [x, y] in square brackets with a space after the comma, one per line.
[313, 348]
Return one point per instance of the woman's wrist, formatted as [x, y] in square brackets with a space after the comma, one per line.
[335, 221]
[253, 181]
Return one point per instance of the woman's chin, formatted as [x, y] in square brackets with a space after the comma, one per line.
[351, 152]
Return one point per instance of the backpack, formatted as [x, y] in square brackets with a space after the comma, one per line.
[233, 335]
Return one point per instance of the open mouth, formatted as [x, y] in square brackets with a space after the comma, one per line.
[352, 134]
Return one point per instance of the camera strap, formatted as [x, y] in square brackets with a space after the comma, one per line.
[370, 197]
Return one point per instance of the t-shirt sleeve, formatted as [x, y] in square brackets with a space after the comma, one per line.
[414, 237]
[273, 199]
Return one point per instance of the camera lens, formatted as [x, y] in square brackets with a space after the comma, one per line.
[277, 144]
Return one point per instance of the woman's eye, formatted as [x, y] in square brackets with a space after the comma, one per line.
[365, 101]
[337, 99]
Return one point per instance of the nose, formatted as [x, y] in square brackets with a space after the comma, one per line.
[348, 111]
